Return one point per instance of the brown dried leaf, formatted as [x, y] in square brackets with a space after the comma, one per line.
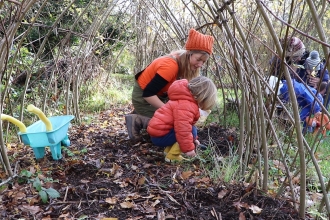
[141, 181]
[279, 164]
[241, 216]
[147, 165]
[155, 203]
[149, 197]
[64, 215]
[123, 184]
[118, 174]
[296, 180]
[127, 205]
[161, 214]
[204, 180]
[32, 209]
[33, 201]
[186, 175]
[19, 195]
[158, 197]
[111, 201]
[239, 205]
[222, 193]
[132, 196]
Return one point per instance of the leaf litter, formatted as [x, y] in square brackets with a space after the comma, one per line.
[102, 175]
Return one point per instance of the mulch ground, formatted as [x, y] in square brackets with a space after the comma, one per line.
[102, 175]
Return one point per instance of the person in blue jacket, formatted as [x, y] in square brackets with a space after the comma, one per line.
[314, 71]
[307, 104]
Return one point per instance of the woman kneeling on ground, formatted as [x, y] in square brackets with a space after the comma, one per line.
[151, 85]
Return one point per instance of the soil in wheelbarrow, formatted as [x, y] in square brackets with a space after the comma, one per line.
[103, 175]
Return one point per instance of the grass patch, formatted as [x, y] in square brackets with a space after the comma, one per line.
[323, 156]
[100, 96]
[218, 167]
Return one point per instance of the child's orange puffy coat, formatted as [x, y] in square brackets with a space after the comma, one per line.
[321, 121]
[181, 112]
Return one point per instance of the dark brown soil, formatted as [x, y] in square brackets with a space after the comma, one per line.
[110, 177]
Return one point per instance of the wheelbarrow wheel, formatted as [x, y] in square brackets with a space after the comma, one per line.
[65, 142]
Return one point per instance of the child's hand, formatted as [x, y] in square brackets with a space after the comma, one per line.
[191, 153]
[196, 142]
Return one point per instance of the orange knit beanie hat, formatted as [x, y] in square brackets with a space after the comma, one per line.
[198, 41]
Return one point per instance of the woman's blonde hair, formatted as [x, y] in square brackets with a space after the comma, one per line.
[183, 60]
[204, 91]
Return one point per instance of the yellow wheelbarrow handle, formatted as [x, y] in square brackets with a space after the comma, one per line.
[31, 108]
[21, 126]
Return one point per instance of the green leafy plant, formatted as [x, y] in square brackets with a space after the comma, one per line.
[315, 213]
[24, 176]
[83, 151]
[43, 192]
[27, 176]
[67, 151]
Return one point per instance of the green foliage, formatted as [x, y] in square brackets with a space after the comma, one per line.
[114, 31]
[72, 154]
[47, 17]
[100, 96]
[83, 151]
[216, 166]
[25, 58]
[43, 192]
[113, 37]
[68, 151]
[124, 64]
[323, 152]
[231, 119]
[24, 175]
[83, 217]
[27, 176]
[321, 216]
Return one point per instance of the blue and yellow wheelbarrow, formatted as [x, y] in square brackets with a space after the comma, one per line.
[51, 132]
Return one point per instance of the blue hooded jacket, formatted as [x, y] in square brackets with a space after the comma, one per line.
[305, 99]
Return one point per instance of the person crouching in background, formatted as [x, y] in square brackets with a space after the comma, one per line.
[314, 72]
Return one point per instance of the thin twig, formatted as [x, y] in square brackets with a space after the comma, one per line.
[299, 31]
[66, 193]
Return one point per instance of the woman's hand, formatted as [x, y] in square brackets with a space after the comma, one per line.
[191, 153]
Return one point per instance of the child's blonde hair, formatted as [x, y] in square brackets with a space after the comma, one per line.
[204, 91]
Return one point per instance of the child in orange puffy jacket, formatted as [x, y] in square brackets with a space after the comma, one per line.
[319, 121]
[172, 125]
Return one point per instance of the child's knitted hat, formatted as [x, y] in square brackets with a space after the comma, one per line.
[295, 47]
[198, 41]
[313, 61]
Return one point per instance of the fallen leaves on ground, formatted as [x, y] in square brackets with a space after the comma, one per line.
[104, 176]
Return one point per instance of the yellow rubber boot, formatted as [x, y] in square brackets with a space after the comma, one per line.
[174, 154]
[167, 149]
